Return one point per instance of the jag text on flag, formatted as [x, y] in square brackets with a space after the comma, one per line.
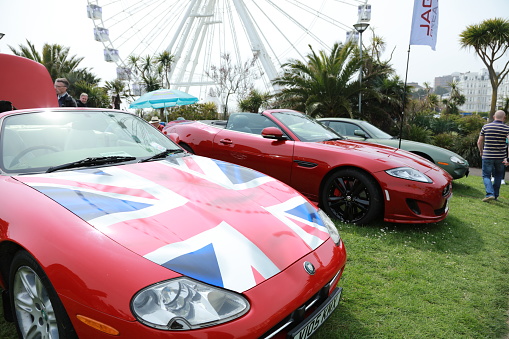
[425, 23]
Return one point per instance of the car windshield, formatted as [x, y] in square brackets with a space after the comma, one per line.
[375, 132]
[39, 141]
[305, 127]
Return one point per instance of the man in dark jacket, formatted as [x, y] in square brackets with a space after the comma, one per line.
[64, 99]
[83, 101]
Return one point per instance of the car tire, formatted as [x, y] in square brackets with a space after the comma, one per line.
[37, 310]
[352, 196]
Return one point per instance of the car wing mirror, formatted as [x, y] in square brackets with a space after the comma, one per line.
[173, 137]
[273, 133]
[360, 133]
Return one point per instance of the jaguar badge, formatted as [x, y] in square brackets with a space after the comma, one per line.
[309, 268]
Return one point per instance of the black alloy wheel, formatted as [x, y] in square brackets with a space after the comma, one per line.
[352, 196]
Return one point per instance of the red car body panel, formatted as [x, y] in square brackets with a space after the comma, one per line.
[73, 253]
[283, 160]
[26, 83]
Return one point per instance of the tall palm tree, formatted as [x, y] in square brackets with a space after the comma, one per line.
[148, 70]
[55, 58]
[323, 86]
[116, 88]
[59, 63]
[490, 40]
[165, 61]
[455, 100]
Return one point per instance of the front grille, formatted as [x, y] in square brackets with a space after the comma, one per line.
[300, 313]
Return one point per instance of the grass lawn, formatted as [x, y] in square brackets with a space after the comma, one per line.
[444, 280]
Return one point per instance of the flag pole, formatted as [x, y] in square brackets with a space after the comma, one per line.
[404, 99]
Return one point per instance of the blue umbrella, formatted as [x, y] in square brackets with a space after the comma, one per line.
[163, 98]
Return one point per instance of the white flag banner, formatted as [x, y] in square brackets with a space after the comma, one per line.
[425, 23]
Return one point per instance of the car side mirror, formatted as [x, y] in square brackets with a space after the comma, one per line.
[173, 137]
[360, 133]
[273, 133]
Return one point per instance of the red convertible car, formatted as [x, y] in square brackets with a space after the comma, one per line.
[109, 229]
[352, 181]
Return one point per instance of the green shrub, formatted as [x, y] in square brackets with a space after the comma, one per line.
[205, 111]
[445, 140]
[471, 124]
[444, 124]
[466, 146]
[418, 133]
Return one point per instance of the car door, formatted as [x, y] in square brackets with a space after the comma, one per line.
[269, 156]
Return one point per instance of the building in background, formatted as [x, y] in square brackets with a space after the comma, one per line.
[476, 88]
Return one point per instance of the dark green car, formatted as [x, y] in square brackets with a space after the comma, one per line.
[354, 129]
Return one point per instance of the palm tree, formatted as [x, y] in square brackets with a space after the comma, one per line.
[490, 40]
[325, 85]
[116, 88]
[55, 58]
[253, 101]
[165, 61]
[59, 64]
[455, 99]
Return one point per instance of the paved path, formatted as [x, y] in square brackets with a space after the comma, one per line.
[475, 171]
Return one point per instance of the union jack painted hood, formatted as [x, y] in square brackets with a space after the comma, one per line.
[220, 223]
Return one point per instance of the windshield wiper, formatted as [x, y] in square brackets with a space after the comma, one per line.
[92, 161]
[334, 139]
[162, 154]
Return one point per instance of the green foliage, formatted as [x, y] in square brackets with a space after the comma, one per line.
[324, 85]
[199, 111]
[97, 96]
[152, 70]
[418, 133]
[253, 101]
[490, 40]
[456, 99]
[471, 124]
[60, 64]
[444, 124]
[445, 140]
[466, 146]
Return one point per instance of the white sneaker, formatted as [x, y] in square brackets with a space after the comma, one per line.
[492, 180]
[503, 182]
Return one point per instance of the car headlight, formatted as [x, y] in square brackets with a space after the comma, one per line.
[331, 227]
[409, 174]
[457, 160]
[184, 304]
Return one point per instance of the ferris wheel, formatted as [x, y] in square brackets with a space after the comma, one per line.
[199, 32]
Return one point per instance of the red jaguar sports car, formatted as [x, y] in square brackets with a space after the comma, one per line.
[109, 229]
[352, 181]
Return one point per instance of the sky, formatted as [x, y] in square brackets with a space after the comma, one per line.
[66, 23]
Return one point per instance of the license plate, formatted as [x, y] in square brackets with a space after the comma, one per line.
[317, 318]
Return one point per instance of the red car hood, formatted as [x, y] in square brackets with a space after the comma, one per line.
[383, 153]
[213, 221]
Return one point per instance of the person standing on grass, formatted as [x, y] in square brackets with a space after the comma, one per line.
[492, 147]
